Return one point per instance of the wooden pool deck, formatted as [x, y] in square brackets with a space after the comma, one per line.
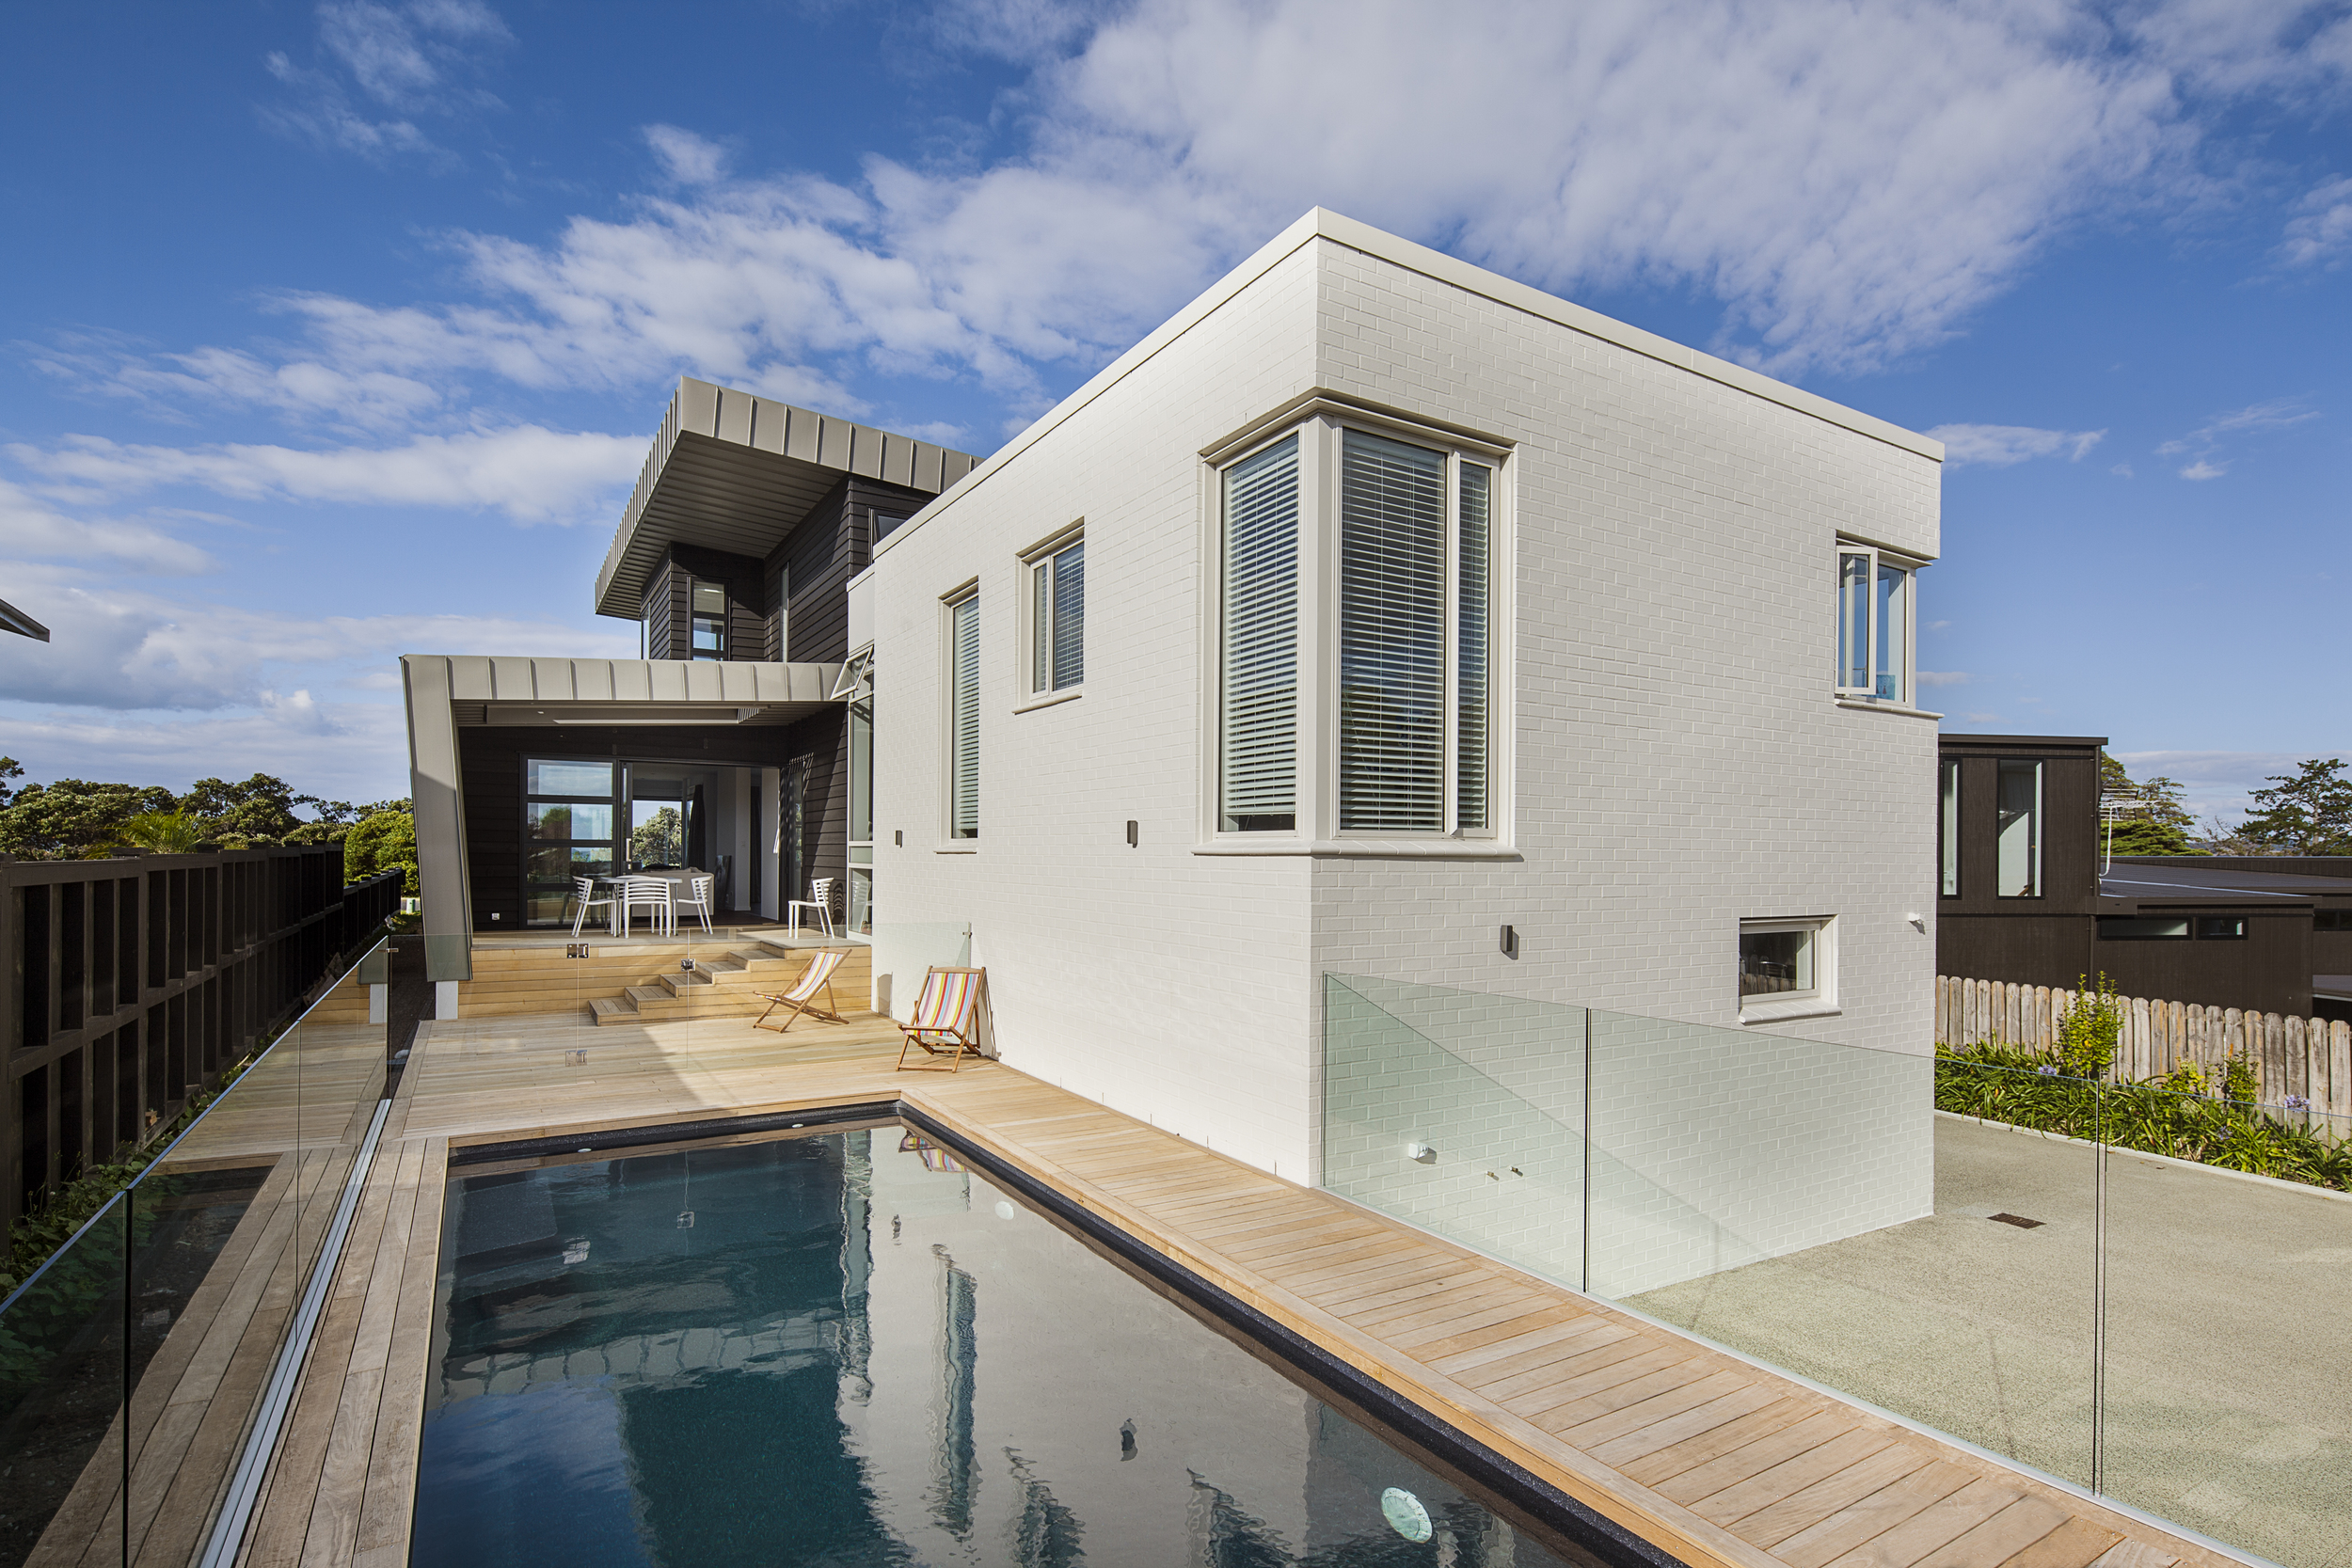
[1718, 1462]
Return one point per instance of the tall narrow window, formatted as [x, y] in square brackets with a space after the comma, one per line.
[1474, 740]
[709, 621]
[1259, 746]
[2018, 872]
[1393, 620]
[1947, 824]
[1873, 626]
[964, 718]
[1059, 619]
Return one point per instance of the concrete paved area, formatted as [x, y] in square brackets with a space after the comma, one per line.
[2228, 1374]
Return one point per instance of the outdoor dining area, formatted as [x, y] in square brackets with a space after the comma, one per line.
[665, 894]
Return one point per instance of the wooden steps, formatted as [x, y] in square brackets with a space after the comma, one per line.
[642, 981]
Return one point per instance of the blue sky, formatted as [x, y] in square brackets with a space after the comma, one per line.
[338, 331]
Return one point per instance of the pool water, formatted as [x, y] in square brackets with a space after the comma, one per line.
[843, 1349]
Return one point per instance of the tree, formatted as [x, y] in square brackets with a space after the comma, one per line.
[9, 768]
[74, 818]
[166, 832]
[2160, 826]
[2309, 813]
[383, 841]
[659, 839]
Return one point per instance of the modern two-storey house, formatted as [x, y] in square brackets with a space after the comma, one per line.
[1379, 615]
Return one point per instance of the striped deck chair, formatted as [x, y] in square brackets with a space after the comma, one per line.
[800, 998]
[946, 1018]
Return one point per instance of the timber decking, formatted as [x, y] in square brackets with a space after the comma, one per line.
[1719, 1461]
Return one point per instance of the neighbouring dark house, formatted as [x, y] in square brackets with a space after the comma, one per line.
[2027, 894]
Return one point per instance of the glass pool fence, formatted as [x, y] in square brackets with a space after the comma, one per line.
[136, 1360]
[2060, 1270]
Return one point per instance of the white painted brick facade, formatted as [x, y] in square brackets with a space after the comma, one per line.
[1680, 762]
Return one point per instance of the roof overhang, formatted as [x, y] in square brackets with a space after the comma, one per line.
[15, 620]
[731, 472]
[558, 692]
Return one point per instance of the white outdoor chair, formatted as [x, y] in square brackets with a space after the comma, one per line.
[699, 903]
[588, 900]
[653, 894]
[821, 903]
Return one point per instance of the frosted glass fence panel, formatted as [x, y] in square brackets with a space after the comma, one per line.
[1718, 1147]
[1459, 1111]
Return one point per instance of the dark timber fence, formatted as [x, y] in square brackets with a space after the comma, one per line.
[128, 984]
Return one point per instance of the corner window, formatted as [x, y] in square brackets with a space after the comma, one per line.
[1258, 743]
[1785, 967]
[1947, 824]
[709, 617]
[1057, 618]
[2017, 868]
[1874, 615]
[964, 717]
[1402, 697]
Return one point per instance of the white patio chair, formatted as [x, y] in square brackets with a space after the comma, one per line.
[588, 900]
[822, 903]
[653, 894]
[699, 903]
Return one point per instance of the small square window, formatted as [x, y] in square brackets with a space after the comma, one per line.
[1785, 967]
[2332, 920]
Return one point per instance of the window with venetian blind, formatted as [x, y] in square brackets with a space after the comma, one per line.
[964, 717]
[1413, 729]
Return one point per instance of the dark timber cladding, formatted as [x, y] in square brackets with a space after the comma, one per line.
[728, 471]
[126, 985]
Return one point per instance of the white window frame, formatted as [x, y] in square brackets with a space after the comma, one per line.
[1906, 656]
[1782, 1007]
[949, 604]
[1319, 422]
[1026, 644]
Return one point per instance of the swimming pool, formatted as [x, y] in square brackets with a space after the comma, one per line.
[842, 1347]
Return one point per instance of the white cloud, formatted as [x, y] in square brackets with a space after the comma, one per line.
[688, 158]
[116, 649]
[302, 390]
[1999, 446]
[409, 59]
[2320, 233]
[531, 473]
[346, 751]
[1944, 677]
[33, 530]
[2121, 470]
[1851, 183]
[2275, 414]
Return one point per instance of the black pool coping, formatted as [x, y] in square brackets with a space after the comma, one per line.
[1607, 1543]
[619, 1138]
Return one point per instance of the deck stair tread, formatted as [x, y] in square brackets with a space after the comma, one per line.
[1723, 1464]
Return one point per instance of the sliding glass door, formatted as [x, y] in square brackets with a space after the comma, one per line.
[568, 813]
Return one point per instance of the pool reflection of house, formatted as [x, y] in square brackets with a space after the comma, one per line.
[735, 745]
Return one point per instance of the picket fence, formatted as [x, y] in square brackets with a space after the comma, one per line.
[2307, 1058]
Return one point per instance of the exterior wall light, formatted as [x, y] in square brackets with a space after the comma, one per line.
[1420, 1152]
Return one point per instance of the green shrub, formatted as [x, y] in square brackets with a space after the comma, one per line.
[2173, 1114]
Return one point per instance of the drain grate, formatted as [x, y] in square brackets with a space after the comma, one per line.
[2020, 1221]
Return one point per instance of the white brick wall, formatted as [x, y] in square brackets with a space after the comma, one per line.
[1680, 762]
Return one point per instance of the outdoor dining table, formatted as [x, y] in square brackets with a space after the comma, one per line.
[680, 879]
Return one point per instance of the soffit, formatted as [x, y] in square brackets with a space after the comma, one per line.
[731, 472]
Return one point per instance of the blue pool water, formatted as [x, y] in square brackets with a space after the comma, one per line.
[843, 1349]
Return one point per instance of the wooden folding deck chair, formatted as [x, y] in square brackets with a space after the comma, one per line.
[946, 1018]
[800, 998]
